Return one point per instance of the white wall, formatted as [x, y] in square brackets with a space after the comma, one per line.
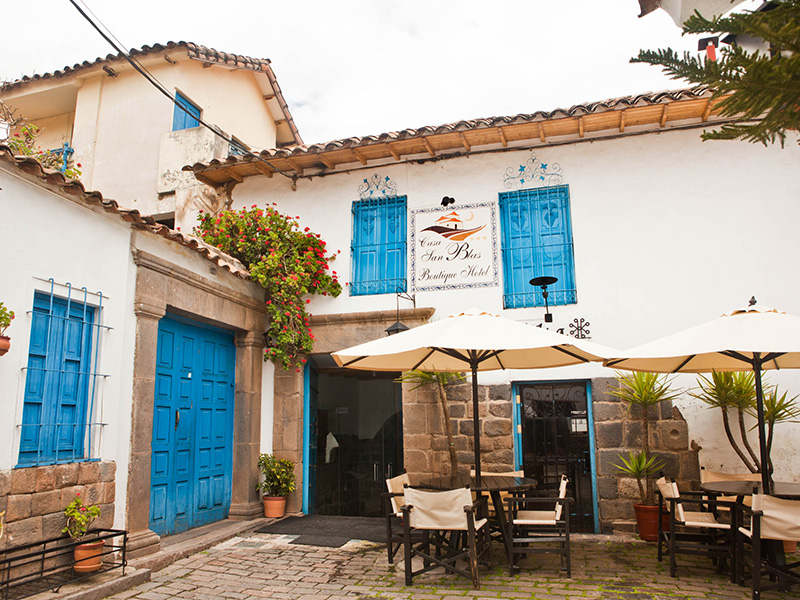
[47, 236]
[669, 232]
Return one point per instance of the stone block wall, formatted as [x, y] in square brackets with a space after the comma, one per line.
[425, 440]
[34, 499]
[619, 431]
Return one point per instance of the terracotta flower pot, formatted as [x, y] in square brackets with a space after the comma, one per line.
[274, 506]
[647, 521]
[88, 557]
[5, 344]
[789, 547]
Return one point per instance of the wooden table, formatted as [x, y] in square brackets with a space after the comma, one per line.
[492, 484]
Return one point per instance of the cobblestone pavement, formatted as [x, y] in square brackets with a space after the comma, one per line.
[258, 566]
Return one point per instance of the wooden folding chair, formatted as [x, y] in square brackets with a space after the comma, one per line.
[435, 514]
[392, 511]
[535, 531]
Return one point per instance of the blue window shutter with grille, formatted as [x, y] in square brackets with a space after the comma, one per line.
[180, 118]
[378, 246]
[57, 382]
[537, 241]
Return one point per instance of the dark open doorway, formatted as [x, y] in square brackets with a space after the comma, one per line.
[357, 436]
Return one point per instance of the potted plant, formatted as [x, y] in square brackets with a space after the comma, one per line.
[88, 556]
[644, 391]
[278, 481]
[6, 316]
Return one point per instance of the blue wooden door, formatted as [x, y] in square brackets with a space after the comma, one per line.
[190, 480]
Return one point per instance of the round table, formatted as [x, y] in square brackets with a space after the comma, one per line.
[780, 489]
[493, 484]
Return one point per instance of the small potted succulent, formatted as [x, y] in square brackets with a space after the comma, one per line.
[88, 556]
[277, 483]
[6, 316]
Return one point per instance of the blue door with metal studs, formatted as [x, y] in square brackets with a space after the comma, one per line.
[192, 446]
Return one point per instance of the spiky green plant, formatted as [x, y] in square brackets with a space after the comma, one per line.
[760, 91]
[640, 466]
[777, 409]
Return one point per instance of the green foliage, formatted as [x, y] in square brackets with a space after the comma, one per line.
[278, 474]
[6, 316]
[287, 262]
[640, 466]
[79, 517]
[422, 378]
[727, 390]
[760, 91]
[643, 389]
[23, 143]
[777, 408]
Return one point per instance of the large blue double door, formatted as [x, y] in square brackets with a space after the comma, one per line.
[191, 461]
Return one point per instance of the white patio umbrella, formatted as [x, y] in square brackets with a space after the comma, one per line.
[754, 338]
[471, 341]
[680, 10]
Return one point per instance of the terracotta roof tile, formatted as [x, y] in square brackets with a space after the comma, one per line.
[31, 166]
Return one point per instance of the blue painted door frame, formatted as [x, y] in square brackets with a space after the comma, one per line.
[192, 444]
[516, 416]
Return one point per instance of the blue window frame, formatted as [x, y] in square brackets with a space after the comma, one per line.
[59, 381]
[181, 119]
[537, 241]
[378, 246]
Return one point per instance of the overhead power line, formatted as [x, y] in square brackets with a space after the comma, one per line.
[142, 70]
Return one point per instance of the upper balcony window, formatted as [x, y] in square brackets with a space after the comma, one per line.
[378, 246]
[185, 119]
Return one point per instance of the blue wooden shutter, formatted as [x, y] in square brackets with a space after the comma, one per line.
[57, 384]
[182, 119]
[537, 241]
[379, 246]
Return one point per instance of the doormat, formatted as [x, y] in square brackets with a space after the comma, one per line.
[331, 531]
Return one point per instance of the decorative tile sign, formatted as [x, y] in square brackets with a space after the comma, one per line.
[454, 247]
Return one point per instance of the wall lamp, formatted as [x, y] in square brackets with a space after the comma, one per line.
[543, 282]
[399, 327]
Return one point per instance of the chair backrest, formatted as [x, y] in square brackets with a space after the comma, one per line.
[562, 493]
[707, 476]
[499, 474]
[669, 489]
[396, 485]
[438, 510]
[781, 518]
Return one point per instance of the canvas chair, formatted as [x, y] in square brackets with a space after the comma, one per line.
[393, 513]
[771, 519]
[529, 526]
[694, 532]
[707, 476]
[435, 514]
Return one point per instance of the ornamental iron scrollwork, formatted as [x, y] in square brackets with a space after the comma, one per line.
[579, 328]
[377, 187]
[534, 173]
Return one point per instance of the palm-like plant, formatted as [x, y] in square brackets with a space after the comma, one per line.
[640, 466]
[728, 391]
[441, 380]
[646, 391]
[777, 409]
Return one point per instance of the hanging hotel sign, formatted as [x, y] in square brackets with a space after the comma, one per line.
[454, 247]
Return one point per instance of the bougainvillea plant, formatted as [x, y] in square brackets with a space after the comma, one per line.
[23, 143]
[290, 263]
[6, 316]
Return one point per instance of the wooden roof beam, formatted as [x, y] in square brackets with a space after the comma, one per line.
[502, 135]
[392, 151]
[293, 163]
[263, 168]
[360, 157]
[580, 126]
[707, 111]
[205, 179]
[428, 146]
[269, 97]
[326, 161]
[541, 132]
[622, 121]
[664, 115]
[233, 175]
[464, 141]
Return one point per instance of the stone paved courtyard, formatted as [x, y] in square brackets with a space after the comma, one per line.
[257, 566]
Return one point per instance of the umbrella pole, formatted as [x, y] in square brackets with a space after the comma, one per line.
[762, 434]
[476, 434]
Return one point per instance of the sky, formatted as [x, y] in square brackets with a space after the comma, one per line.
[361, 67]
